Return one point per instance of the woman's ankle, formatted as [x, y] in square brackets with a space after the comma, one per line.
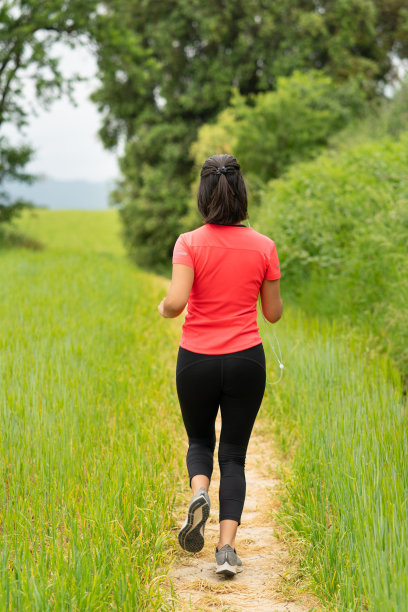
[221, 544]
[199, 481]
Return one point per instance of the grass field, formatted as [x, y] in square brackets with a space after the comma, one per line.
[91, 436]
[341, 417]
[88, 420]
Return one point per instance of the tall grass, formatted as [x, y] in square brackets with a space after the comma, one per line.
[340, 412]
[340, 225]
[90, 440]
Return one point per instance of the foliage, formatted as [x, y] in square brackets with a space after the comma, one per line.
[12, 162]
[278, 128]
[169, 67]
[269, 131]
[153, 194]
[219, 136]
[382, 117]
[340, 224]
[28, 33]
[213, 138]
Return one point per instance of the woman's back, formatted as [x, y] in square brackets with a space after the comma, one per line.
[230, 263]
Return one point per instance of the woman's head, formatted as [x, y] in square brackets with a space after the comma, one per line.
[222, 196]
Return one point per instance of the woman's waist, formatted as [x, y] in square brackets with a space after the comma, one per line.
[254, 352]
[195, 317]
[223, 338]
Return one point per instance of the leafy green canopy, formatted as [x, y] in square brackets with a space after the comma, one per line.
[28, 32]
[340, 224]
[289, 124]
[167, 68]
[269, 131]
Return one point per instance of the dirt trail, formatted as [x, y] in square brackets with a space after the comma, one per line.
[266, 561]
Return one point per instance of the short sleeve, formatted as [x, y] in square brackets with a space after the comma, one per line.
[273, 268]
[181, 252]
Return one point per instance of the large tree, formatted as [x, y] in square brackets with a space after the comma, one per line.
[29, 30]
[168, 67]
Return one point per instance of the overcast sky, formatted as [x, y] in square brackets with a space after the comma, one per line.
[65, 137]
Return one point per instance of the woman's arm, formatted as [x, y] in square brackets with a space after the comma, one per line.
[181, 282]
[271, 301]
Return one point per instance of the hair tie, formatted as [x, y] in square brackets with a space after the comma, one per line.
[222, 170]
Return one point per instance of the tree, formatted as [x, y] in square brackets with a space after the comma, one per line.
[28, 31]
[271, 130]
[169, 67]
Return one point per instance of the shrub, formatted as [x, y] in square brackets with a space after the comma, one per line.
[269, 131]
[340, 224]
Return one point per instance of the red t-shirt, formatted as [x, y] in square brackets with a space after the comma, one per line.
[230, 263]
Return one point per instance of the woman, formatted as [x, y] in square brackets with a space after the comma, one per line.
[220, 269]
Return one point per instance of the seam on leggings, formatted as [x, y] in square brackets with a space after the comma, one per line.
[249, 359]
[189, 365]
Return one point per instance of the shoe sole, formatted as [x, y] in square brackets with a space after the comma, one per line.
[228, 570]
[189, 536]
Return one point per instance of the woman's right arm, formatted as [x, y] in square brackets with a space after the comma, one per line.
[271, 300]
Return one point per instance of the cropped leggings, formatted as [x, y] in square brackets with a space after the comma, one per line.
[235, 383]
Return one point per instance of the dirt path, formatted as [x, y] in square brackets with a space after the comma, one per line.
[266, 562]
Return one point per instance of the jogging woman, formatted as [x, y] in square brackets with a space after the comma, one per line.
[220, 269]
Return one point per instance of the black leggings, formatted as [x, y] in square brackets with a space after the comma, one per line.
[235, 382]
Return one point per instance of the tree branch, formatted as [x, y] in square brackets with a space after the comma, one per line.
[10, 77]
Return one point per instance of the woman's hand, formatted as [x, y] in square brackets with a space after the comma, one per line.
[160, 308]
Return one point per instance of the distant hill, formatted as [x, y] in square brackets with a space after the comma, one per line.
[57, 195]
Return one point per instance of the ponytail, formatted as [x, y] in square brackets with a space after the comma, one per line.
[222, 196]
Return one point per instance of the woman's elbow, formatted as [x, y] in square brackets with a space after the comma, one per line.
[273, 314]
[174, 308]
[272, 318]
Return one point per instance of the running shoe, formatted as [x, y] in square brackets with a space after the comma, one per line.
[228, 562]
[191, 534]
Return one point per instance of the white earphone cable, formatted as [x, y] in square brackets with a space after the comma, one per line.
[278, 358]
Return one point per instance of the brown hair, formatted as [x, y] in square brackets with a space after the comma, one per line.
[222, 195]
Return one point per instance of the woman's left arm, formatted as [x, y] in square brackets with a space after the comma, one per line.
[181, 282]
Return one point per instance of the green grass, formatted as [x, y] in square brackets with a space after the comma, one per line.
[90, 430]
[340, 224]
[340, 415]
[73, 230]
[92, 442]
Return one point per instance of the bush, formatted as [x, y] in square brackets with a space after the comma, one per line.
[340, 224]
[382, 117]
[281, 127]
[269, 131]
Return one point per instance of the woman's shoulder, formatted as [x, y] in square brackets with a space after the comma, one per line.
[248, 237]
[262, 239]
[191, 235]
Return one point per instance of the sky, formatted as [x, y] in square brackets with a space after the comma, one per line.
[65, 137]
